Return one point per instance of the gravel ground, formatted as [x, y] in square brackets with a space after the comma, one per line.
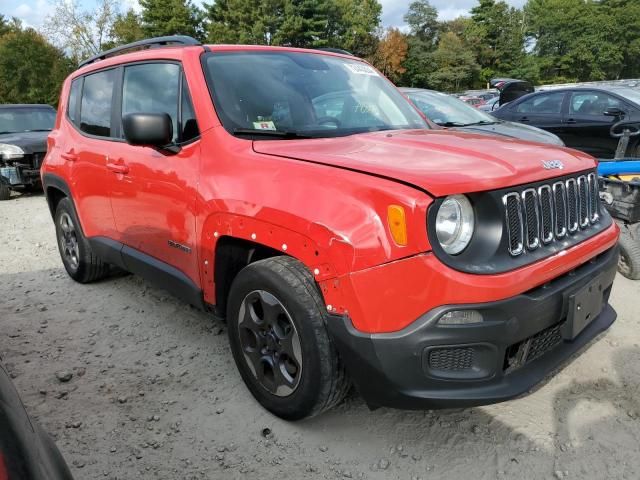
[153, 392]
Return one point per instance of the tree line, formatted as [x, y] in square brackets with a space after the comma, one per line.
[545, 41]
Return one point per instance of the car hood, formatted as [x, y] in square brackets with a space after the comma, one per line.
[440, 162]
[30, 142]
[515, 130]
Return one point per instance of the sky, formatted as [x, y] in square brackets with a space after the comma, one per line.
[33, 12]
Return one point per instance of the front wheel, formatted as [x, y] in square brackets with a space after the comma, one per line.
[5, 191]
[279, 341]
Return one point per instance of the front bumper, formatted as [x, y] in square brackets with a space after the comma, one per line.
[520, 341]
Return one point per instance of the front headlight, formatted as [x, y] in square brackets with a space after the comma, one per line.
[8, 151]
[455, 223]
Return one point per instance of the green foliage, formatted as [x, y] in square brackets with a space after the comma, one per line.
[127, 28]
[347, 24]
[585, 39]
[171, 17]
[31, 69]
[455, 64]
[422, 19]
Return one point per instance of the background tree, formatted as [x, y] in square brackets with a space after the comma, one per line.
[391, 54]
[127, 27]
[422, 19]
[79, 32]
[31, 69]
[171, 17]
[455, 65]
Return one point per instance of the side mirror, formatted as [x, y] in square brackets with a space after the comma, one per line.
[148, 129]
[614, 112]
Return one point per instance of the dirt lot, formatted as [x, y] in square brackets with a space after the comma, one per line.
[155, 394]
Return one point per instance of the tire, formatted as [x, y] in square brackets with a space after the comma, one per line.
[280, 293]
[5, 192]
[79, 261]
[629, 260]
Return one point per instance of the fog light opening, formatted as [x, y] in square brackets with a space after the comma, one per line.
[460, 317]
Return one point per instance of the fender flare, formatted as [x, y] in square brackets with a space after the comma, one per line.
[52, 180]
[324, 254]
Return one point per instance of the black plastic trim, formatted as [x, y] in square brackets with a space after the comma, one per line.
[488, 251]
[155, 271]
[52, 180]
[389, 368]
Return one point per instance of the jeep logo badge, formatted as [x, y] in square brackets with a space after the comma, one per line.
[552, 164]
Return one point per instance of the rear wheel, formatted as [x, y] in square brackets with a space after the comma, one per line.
[79, 260]
[5, 192]
[280, 344]
[629, 260]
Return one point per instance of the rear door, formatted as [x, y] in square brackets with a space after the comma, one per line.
[153, 191]
[587, 127]
[86, 150]
[543, 110]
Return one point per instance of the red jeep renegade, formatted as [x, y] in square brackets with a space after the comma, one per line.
[299, 195]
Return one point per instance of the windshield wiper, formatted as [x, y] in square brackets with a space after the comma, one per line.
[39, 130]
[269, 133]
[452, 124]
[4, 133]
[482, 122]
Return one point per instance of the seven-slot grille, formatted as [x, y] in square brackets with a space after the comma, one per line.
[537, 216]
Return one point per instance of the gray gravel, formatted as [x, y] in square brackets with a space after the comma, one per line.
[149, 390]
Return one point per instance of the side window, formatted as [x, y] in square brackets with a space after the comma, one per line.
[95, 109]
[188, 124]
[548, 103]
[593, 103]
[74, 96]
[152, 88]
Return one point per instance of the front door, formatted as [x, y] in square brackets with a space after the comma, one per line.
[542, 111]
[153, 191]
[587, 127]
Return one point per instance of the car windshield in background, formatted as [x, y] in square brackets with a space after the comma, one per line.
[25, 119]
[302, 95]
[448, 111]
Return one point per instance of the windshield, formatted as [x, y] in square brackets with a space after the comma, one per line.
[17, 120]
[446, 110]
[291, 94]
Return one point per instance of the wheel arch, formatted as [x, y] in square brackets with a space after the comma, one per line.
[55, 189]
[230, 242]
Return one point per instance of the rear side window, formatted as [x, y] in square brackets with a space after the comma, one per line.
[152, 88]
[74, 97]
[549, 103]
[593, 103]
[95, 110]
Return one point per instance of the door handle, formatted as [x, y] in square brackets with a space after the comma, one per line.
[69, 156]
[117, 166]
[571, 120]
[524, 119]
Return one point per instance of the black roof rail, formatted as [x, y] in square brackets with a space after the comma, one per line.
[183, 40]
[334, 50]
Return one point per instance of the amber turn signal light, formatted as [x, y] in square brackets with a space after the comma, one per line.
[397, 224]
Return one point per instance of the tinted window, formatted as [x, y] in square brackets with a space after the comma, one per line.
[189, 125]
[26, 119]
[95, 110]
[547, 103]
[593, 103]
[74, 95]
[152, 88]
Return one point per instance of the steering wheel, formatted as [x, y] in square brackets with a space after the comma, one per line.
[327, 119]
[633, 127]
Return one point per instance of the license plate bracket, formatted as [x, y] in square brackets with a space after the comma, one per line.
[585, 305]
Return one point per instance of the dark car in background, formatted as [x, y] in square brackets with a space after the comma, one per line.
[23, 144]
[450, 112]
[26, 451]
[580, 116]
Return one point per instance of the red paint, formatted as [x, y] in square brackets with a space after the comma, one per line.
[290, 196]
